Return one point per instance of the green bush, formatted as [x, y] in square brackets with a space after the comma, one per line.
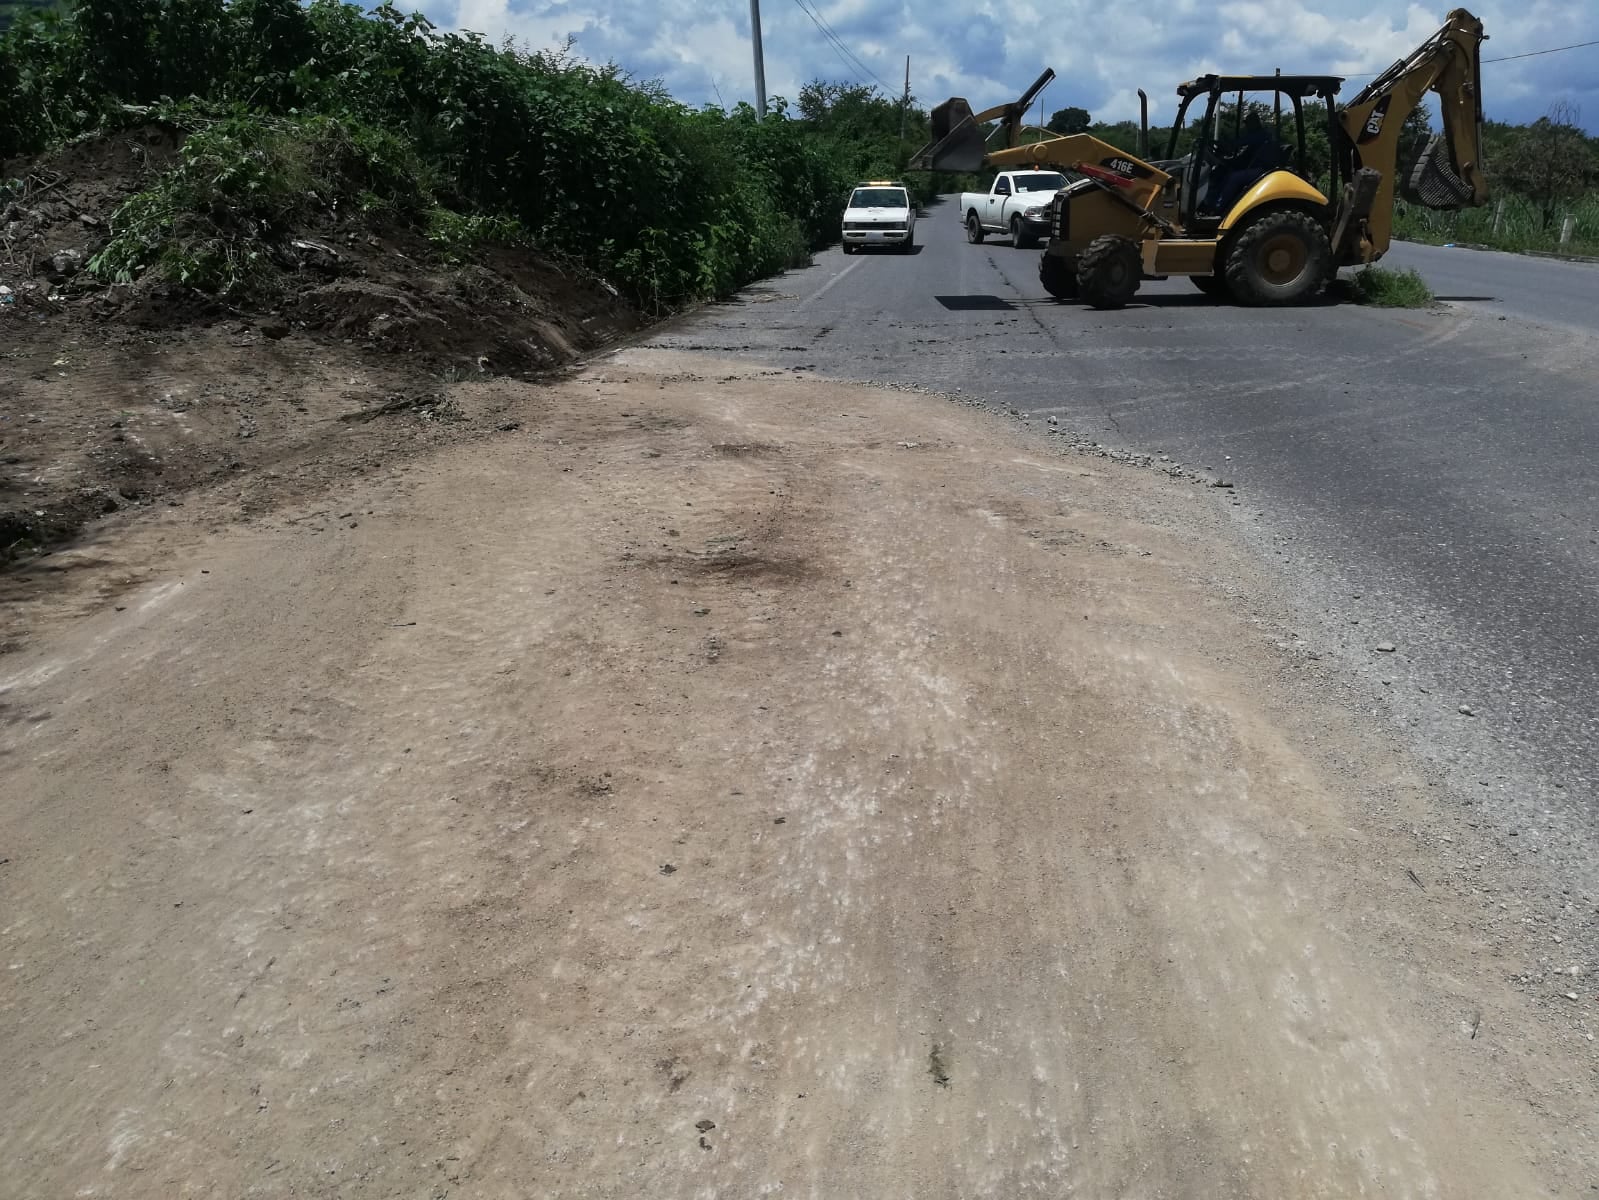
[480, 143]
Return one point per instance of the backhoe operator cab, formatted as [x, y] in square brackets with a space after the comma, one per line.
[1241, 134]
[1243, 213]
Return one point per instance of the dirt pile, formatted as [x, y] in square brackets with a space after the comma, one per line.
[124, 394]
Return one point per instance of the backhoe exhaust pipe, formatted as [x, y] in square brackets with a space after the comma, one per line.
[1143, 124]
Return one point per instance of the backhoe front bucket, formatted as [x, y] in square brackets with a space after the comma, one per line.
[961, 137]
[958, 144]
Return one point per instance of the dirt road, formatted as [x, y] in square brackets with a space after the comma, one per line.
[734, 785]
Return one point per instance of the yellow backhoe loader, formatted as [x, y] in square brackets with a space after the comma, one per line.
[1245, 213]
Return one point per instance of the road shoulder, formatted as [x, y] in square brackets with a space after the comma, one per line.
[727, 782]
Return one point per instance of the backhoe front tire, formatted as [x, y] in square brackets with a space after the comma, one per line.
[974, 229]
[1018, 238]
[1058, 274]
[1279, 258]
[1109, 271]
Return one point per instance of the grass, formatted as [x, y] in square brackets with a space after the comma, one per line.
[1384, 288]
[1505, 223]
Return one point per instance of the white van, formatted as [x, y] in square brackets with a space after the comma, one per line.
[879, 213]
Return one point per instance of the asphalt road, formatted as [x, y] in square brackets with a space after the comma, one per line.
[1419, 478]
[1545, 291]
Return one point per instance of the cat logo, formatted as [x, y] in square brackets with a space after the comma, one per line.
[1373, 129]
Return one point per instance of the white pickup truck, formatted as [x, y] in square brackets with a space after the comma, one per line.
[1017, 204]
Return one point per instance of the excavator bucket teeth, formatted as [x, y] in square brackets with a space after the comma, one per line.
[958, 141]
[1434, 181]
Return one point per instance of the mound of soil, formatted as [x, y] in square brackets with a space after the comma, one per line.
[119, 395]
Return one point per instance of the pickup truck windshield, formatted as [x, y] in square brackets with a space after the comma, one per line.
[1038, 181]
[878, 198]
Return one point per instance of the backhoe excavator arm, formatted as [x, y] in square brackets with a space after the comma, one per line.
[1081, 153]
[960, 144]
[960, 141]
[1449, 172]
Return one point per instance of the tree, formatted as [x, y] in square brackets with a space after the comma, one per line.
[1549, 161]
[12, 11]
[1071, 120]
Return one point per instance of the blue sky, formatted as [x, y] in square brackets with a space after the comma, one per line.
[988, 50]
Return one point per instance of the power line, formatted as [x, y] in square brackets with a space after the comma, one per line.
[1536, 53]
[832, 33]
[839, 45]
[845, 54]
[833, 46]
[1506, 58]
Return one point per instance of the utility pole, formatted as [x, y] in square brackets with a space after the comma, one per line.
[760, 59]
[905, 106]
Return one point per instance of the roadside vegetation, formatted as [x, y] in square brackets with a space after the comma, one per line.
[1383, 287]
[288, 112]
[1542, 175]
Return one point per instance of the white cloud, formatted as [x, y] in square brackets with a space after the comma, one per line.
[987, 50]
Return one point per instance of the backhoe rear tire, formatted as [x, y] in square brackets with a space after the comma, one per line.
[1279, 258]
[1058, 274]
[1109, 271]
[974, 229]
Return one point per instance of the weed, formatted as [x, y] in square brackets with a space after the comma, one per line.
[1384, 288]
[458, 236]
[217, 222]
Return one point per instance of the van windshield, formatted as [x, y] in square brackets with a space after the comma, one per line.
[878, 198]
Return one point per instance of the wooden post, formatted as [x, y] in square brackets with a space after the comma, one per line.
[1567, 228]
[905, 105]
[1499, 217]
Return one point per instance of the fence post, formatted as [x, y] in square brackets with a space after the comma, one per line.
[1499, 217]
[1567, 228]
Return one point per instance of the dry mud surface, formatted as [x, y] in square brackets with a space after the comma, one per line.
[724, 784]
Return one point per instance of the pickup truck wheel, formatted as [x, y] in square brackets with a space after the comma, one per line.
[1214, 286]
[909, 243]
[1058, 274]
[1281, 257]
[974, 229]
[1109, 271]
[1018, 237]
